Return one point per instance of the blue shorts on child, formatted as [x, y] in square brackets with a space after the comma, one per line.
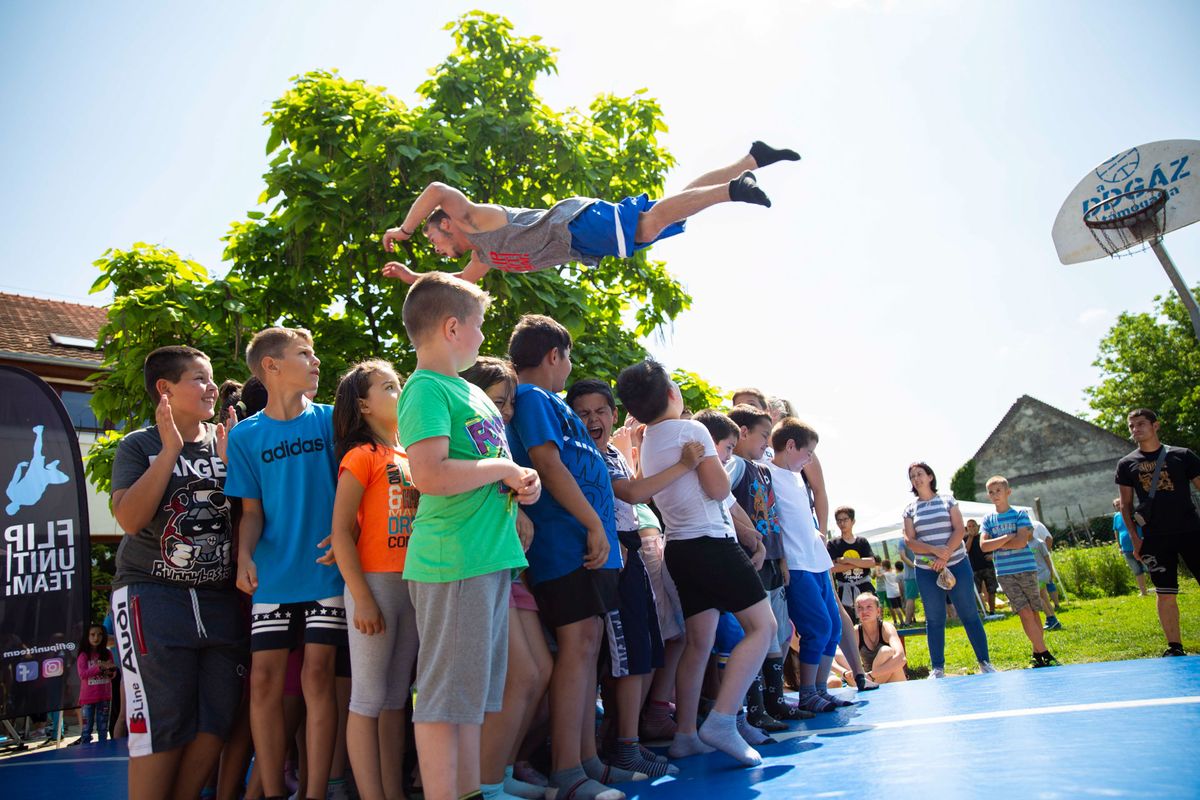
[610, 229]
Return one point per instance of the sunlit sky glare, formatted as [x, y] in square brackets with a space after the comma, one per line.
[903, 291]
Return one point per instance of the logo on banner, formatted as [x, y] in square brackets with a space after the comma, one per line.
[27, 671]
[30, 478]
[52, 667]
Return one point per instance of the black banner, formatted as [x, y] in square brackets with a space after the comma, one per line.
[45, 594]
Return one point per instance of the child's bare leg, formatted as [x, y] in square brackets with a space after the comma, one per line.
[502, 727]
[200, 757]
[149, 774]
[572, 690]
[1031, 621]
[437, 751]
[363, 738]
[393, 734]
[888, 666]
[266, 717]
[320, 699]
[724, 175]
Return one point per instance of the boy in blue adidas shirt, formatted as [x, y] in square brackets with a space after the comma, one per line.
[574, 559]
[1007, 532]
[281, 463]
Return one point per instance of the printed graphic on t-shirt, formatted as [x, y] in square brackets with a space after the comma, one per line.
[490, 440]
[402, 505]
[196, 543]
[1145, 473]
[511, 262]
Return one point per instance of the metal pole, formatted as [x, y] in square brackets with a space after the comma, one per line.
[1181, 289]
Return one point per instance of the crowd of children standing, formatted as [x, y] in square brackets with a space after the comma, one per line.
[478, 546]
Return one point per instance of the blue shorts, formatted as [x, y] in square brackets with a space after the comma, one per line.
[729, 633]
[609, 229]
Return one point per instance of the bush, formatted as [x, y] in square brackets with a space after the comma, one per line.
[1091, 572]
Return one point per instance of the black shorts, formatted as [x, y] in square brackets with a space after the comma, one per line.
[1160, 557]
[286, 626]
[576, 596]
[986, 576]
[712, 573]
[632, 642]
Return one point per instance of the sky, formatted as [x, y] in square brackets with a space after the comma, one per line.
[903, 291]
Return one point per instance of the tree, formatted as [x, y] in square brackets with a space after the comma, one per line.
[346, 162]
[1151, 360]
[962, 485]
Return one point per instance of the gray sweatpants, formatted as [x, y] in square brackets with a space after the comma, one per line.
[382, 664]
[463, 660]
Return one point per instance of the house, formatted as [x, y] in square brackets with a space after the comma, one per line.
[1053, 460]
[56, 341]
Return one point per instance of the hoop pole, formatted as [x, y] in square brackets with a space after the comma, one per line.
[1181, 289]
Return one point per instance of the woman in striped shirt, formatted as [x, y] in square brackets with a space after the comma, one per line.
[933, 530]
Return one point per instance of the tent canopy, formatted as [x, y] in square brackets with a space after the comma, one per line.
[886, 528]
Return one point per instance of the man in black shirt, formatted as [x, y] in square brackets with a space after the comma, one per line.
[1168, 522]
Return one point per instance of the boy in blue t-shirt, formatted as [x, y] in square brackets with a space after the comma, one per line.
[574, 559]
[281, 463]
[1007, 533]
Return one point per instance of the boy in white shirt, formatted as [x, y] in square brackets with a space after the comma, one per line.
[710, 569]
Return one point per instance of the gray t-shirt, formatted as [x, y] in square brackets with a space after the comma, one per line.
[189, 542]
[533, 239]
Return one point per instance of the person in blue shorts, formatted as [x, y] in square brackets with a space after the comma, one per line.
[578, 229]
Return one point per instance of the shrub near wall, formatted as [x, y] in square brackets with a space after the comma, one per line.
[1091, 572]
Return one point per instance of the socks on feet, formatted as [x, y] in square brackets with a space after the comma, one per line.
[811, 700]
[687, 744]
[518, 788]
[763, 154]
[630, 757]
[720, 731]
[838, 702]
[575, 784]
[597, 770]
[744, 189]
[753, 736]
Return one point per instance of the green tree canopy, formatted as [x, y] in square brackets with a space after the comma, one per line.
[1151, 360]
[346, 162]
[962, 485]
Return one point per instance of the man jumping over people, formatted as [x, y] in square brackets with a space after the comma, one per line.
[578, 229]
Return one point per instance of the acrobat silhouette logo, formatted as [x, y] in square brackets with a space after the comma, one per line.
[30, 478]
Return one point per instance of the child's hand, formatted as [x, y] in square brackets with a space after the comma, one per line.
[167, 431]
[368, 619]
[223, 429]
[247, 579]
[327, 558]
[394, 269]
[597, 549]
[691, 455]
[524, 529]
[622, 439]
[526, 484]
[759, 556]
[393, 235]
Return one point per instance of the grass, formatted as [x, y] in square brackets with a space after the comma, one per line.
[1103, 629]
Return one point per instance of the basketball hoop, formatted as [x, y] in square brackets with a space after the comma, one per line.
[1126, 220]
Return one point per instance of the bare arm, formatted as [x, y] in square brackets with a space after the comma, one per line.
[472, 273]
[367, 618]
[747, 535]
[133, 508]
[713, 479]
[989, 543]
[563, 488]
[435, 473]
[893, 638]
[249, 532]
[816, 479]
[640, 490]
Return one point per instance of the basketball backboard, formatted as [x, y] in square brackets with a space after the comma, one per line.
[1172, 165]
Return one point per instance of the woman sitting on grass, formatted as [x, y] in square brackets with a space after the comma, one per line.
[879, 644]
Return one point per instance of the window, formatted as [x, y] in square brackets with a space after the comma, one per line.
[80, 410]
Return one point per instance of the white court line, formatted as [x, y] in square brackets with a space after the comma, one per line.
[1014, 712]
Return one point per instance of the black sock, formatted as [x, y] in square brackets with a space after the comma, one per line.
[754, 698]
[763, 154]
[744, 189]
[860, 680]
[772, 672]
[1176, 645]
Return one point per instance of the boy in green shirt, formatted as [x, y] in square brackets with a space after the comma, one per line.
[464, 540]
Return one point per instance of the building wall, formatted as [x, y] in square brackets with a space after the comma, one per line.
[1094, 490]
[101, 522]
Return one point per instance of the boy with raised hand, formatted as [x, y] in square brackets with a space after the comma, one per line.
[177, 620]
[1006, 533]
[710, 568]
[574, 560]
[464, 542]
[751, 485]
[282, 465]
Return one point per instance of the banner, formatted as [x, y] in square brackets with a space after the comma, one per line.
[45, 581]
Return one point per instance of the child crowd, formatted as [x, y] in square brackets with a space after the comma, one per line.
[458, 549]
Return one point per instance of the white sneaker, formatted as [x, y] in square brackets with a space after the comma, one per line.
[937, 673]
[986, 666]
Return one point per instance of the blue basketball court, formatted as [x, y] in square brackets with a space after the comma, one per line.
[1116, 729]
